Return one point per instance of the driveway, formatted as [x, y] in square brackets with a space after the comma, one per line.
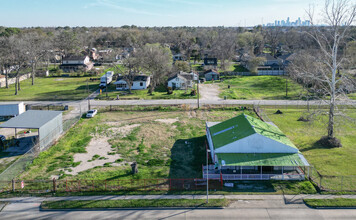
[209, 92]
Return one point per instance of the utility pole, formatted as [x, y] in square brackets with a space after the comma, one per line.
[198, 92]
[88, 96]
[207, 176]
[106, 88]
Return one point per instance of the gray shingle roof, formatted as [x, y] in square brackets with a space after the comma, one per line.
[31, 119]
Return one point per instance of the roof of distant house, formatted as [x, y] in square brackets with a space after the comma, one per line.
[136, 78]
[74, 58]
[268, 56]
[211, 70]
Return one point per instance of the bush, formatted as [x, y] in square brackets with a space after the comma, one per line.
[193, 92]
[328, 142]
[169, 90]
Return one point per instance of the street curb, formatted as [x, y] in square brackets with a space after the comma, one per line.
[127, 209]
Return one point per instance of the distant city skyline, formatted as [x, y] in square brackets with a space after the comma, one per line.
[45, 13]
[288, 23]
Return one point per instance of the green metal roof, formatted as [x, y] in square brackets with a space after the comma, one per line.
[271, 159]
[269, 131]
[243, 126]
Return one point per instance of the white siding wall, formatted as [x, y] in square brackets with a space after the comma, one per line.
[177, 81]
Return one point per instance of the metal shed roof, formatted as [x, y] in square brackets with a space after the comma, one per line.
[31, 119]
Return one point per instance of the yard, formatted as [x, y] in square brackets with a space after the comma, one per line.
[50, 88]
[328, 162]
[259, 87]
[164, 144]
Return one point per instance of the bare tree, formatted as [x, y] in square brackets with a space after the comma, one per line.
[5, 59]
[157, 61]
[36, 47]
[321, 69]
[18, 58]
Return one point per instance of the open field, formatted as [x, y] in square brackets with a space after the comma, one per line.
[50, 88]
[259, 87]
[134, 203]
[324, 203]
[159, 93]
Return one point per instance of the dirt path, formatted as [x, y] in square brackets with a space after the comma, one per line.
[209, 92]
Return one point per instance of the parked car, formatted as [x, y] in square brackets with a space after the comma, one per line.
[91, 113]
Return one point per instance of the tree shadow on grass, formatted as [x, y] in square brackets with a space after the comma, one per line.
[187, 157]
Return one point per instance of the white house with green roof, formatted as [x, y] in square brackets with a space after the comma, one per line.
[244, 147]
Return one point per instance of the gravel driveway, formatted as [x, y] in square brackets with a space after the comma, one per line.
[209, 92]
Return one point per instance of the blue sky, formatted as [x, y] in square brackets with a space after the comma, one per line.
[28, 13]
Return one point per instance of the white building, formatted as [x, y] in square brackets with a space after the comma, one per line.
[139, 82]
[182, 80]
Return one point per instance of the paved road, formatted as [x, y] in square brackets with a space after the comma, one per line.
[245, 207]
[187, 101]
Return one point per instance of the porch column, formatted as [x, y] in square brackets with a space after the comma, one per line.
[16, 133]
[282, 173]
[240, 172]
[261, 172]
[308, 172]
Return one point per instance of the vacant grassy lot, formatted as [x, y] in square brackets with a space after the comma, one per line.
[334, 162]
[159, 93]
[259, 87]
[164, 144]
[339, 202]
[51, 88]
[134, 203]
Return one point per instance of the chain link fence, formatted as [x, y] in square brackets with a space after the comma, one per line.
[70, 118]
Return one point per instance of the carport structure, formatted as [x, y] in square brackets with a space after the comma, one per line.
[48, 123]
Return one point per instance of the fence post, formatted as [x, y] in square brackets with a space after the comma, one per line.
[54, 185]
[13, 185]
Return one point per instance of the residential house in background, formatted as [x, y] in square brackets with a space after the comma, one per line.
[181, 80]
[211, 75]
[75, 63]
[139, 82]
[210, 63]
[246, 148]
[178, 57]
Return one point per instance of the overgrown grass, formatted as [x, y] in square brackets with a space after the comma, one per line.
[134, 203]
[259, 87]
[325, 203]
[50, 88]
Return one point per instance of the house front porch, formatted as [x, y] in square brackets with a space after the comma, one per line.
[255, 173]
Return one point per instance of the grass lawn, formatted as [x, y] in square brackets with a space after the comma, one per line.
[338, 202]
[134, 203]
[50, 88]
[160, 93]
[259, 87]
[331, 162]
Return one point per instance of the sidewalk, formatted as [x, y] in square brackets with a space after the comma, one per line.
[286, 198]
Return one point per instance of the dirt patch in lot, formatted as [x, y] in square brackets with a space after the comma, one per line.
[168, 120]
[98, 148]
[124, 130]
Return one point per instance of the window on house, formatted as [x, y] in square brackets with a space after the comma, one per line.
[141, 83]
[121, 85]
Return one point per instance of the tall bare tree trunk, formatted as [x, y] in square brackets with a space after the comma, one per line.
[16, 84]
[33, 73]
[6, 78]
